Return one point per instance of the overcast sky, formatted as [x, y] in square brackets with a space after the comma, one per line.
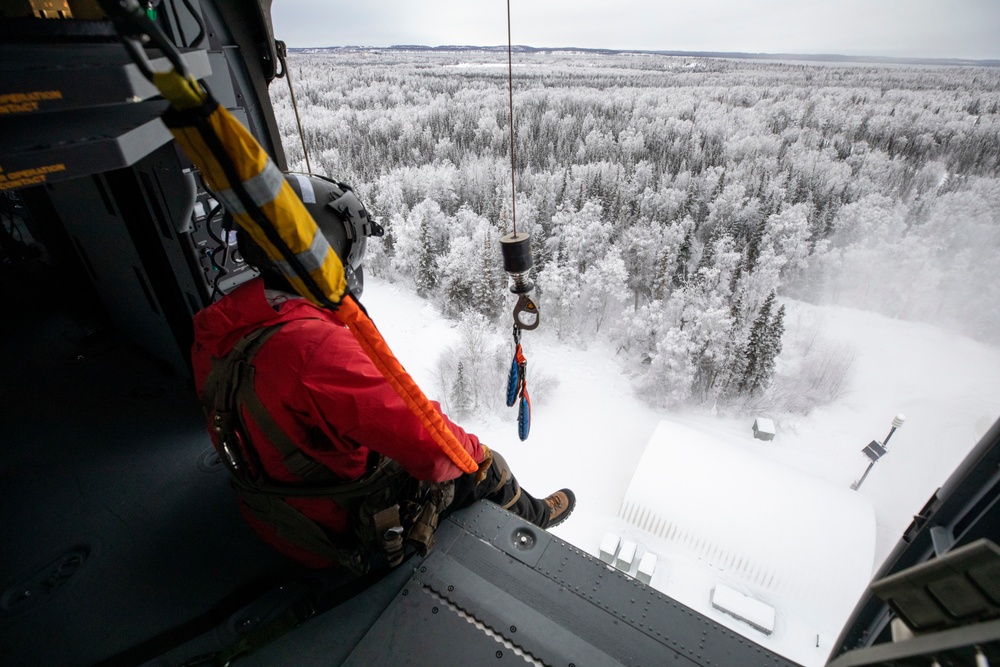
[911, 28]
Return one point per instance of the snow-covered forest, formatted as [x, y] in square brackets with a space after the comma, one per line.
[673, 203]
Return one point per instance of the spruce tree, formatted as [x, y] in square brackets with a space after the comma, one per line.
[763, 347]
[772, 346]
[427, 268]
[663, 277]
[461, 397]
[750, 381]
[683, 257]
[489, 281]
[754, 246]
[736, 365]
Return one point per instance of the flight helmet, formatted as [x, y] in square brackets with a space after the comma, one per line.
[341, 218]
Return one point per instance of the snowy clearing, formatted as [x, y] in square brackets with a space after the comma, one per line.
[592, 432]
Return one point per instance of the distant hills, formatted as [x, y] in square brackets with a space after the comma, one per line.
[806, 57]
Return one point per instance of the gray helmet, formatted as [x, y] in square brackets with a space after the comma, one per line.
[340, 216]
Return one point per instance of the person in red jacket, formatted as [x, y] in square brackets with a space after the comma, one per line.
[315, 416]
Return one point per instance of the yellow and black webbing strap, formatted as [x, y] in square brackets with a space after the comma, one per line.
[255, 192]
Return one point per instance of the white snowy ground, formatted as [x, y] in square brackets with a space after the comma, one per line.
[593, 430]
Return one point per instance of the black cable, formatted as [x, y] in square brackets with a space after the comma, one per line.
[221, 272]
[132, 23]
[168, 48]
[217, 149]
[138, 57]
[12, 245]
[222, 242]
[208, 222]
[196, 42]
[175, 32]
[9, 212]
[279, 74]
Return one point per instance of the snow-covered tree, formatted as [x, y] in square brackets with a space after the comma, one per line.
[456, 271]
[787, 234]
[671, 371]
[581, 236]
[489, 285]
[559, 292]
[472, 372]
[604, 288]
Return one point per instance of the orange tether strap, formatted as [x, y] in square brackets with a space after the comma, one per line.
[378, 351]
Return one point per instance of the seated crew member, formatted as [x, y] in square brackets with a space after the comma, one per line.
[329, 464]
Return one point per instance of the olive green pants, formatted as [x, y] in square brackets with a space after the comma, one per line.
[500, 487]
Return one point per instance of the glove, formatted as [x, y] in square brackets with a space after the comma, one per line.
[485, 464]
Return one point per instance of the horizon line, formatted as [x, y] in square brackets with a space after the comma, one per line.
[748, 55]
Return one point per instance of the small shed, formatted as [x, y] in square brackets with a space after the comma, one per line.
[763, 429]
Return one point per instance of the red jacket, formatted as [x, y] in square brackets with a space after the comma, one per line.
[320, 387]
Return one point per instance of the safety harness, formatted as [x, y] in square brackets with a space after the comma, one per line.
[387, 508]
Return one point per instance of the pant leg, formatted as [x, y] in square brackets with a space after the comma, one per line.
[502, 488]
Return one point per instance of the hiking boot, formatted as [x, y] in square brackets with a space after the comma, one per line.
[561, 505]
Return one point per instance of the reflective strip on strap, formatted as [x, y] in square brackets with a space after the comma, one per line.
[262, 188]
[311, 258]
[306, 188]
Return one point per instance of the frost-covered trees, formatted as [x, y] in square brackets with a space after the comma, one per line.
[472, 372]
[470, 274]
[604, 289]
[671, 369]
[671, 208]
[559, 290]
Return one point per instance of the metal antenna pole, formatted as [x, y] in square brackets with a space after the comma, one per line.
[896, 423]
[857, 484]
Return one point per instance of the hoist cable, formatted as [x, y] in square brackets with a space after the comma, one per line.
[510, 90]
[295, 107]
[287, 73]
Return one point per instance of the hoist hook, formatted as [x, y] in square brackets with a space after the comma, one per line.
[525, 313]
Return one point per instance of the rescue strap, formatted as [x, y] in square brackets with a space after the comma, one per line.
[385, 507]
